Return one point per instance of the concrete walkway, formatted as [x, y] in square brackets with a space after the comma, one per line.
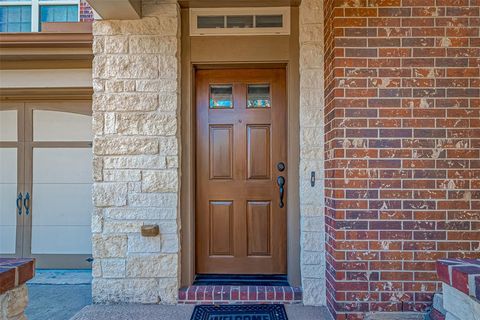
[178, 312]
[58, 294]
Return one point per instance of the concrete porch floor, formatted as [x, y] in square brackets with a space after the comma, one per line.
[178, 312]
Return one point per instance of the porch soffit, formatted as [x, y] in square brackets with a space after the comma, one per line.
[132, 9]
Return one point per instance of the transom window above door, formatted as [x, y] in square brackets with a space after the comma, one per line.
[28, 16]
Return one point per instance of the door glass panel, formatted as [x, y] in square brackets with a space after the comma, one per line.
[8, 194]
[8, 125]
[61, 202]
[61, 126]
[258, 96]
[221, 96]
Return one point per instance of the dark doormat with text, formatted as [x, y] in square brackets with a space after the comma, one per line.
[240, 312]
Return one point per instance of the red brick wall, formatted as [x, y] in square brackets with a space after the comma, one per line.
[402, 136]
[86, 12]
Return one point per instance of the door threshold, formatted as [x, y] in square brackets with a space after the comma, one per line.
[240, 280]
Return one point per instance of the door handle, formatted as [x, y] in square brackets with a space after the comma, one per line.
[19, 203]
[281, 184]
[26, 203]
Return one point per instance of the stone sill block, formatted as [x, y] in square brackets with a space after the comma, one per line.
[462, 274]
[239, 294]
[15, 272]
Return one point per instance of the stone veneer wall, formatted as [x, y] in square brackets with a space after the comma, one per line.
[136, 156]
[402, 149]
[311, 152]
[13, 303]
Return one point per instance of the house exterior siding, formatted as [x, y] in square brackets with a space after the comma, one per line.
[402, 149]
[389, 122]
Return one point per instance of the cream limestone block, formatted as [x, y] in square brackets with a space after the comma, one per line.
[109, 246]
[98, 85]
[125, 146]
[160, 85]
[145, 26]
[119, 175]
[125, 102]
[311, 79]
[313, 291]
[17, 301]
[114, 86]
[97, 123]
[311, 11]
[140, 244]
[311, 98]
[97, 169]
[312, 258]
[122, 226]
[164, 265]
[313, 223]
[312, 117]
[160, 181]
[169, 243]
[116, 44]
[109, 194]
[311, 56]
[149, 124]
[128, 67]
[97, 268]
[97, 221]
[135, 162]
[98, 45]
[140, 213]
[172, 162]
[310, 136]
[312, 241]
[310, 32]
[161, 200]
[168, 290]
[165, 46]
[167, 101]
[168, 146]
[113, 268]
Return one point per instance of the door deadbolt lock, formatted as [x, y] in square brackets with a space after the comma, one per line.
[281, 166]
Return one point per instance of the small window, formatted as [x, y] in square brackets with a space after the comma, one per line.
[239, 21]
[221, 96]
[258, 96]
[269, 21]
[58, 13]
[210, 22]
[15, 18]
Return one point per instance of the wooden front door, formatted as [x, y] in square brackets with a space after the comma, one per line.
[241, 154]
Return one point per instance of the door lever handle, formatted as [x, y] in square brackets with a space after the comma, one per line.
[281, 184]
[26, 203]
[19, 203]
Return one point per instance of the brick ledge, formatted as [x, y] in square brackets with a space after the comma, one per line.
[239, 294]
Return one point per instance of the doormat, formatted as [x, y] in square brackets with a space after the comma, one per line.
[240, 312]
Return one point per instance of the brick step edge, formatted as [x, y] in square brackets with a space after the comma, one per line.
[239, 294]
[436, 315]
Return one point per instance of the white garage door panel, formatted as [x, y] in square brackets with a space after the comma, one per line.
[61, 240]
[8, 194]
